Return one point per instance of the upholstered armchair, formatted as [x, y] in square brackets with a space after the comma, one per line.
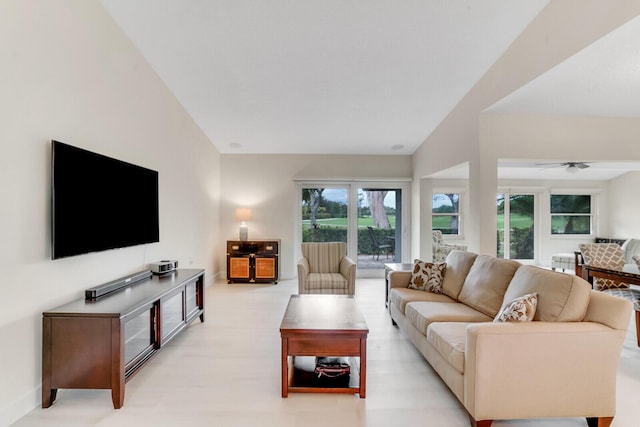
[442, 249]
[325, 269]
[604, 255]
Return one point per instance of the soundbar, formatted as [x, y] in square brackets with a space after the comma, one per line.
[115, 285]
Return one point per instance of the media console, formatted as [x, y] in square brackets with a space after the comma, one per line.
[99, 343]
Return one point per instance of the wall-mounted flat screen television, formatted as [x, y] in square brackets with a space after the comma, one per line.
[100, 203]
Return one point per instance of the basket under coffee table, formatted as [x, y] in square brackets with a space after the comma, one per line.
[324, 325]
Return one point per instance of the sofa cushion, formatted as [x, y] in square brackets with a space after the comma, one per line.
[449, 338]
[400, 297]
[486, 283]
[521, 309]
[561, 297]
[422, 313]
[427, 276]
[458, 265]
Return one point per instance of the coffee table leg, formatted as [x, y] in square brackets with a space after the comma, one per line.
[363, 368]
[285, 367]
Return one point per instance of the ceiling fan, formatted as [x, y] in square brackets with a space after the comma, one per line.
[572, 167]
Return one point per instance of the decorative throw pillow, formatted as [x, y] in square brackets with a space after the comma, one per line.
[427, 276]
[521, 309]
[636, 259]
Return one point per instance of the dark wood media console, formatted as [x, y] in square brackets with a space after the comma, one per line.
[101, 343]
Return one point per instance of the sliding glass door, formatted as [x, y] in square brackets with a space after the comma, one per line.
[325, 212]
[516, 220]
[366, 216]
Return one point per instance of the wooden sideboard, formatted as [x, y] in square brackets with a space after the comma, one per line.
[100, 343]
[253, 261]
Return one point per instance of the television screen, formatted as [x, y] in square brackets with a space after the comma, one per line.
[100, 203]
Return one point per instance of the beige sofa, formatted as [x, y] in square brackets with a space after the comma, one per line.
[561, 364]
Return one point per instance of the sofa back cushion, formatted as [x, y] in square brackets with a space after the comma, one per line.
[458, 265]
[561, 297]
[486, 283]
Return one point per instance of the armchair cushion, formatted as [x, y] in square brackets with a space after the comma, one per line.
[427, 276]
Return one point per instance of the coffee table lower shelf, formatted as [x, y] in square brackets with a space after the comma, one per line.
[305, 382]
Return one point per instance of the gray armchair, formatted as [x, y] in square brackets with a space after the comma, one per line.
[325, 269]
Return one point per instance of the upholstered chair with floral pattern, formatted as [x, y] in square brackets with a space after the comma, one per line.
[442, 249]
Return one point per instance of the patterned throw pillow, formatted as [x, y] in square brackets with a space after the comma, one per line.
[521, 309]
[636, 259]
[427, 276]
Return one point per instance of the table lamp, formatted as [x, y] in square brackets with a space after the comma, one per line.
[243, 215]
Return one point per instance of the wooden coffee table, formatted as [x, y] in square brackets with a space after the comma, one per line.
[323, 325]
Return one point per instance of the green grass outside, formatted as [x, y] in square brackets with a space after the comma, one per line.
[342, 222]
[517, 221]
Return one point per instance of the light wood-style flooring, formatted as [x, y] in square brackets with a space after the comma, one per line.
[226, 372]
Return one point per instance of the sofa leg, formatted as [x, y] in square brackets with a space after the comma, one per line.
[483, 423]
[599, 422]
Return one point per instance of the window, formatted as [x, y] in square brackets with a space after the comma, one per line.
[570, 214]
[445, 213]
[516, 225]
[369, 216]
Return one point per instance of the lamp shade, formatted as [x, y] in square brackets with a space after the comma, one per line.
[243, 214]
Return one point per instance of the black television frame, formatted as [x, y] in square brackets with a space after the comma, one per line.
[100, 203]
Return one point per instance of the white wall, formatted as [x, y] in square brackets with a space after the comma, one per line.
[68, 73]
[267, 183]
[623, 193]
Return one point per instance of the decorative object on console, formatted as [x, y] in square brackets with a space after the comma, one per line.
[243, 215]
[164, 266]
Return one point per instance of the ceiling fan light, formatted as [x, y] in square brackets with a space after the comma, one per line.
[572, 168]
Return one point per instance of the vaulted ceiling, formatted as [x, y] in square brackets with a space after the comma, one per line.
[330, 76]
[365, 76]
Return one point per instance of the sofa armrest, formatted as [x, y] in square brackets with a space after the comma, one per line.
[399, 279]
[513, 369]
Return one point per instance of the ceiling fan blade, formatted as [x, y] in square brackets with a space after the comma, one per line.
[582, 165]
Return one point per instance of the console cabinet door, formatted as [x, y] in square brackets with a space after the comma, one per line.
[172, 315]
[140, 337]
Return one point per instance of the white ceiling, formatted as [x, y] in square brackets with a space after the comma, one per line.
[365, 76]
[330, 76]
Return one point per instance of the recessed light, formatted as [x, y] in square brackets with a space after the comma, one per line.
[235, 145]
[397, 147]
